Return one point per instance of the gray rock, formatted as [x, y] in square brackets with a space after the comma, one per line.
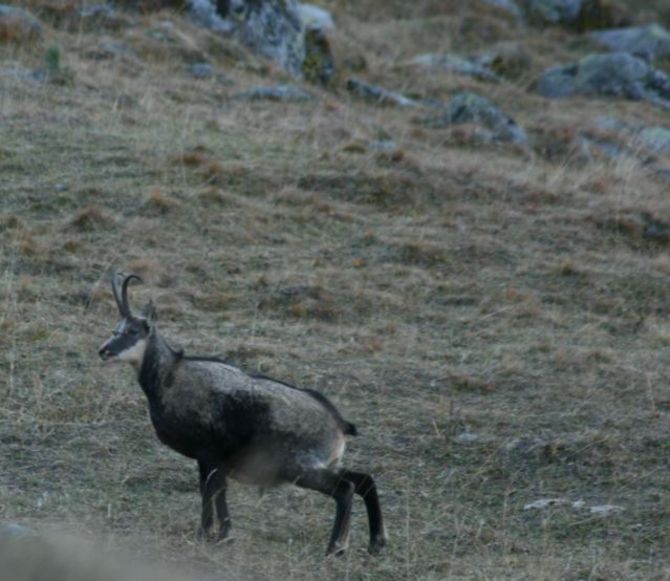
[553, 11]
[316, 18]
[510, 60]
[656, 139]
[271, 29]
[201, 70]
[617, 74]
[452, 63]
[285, 93]
[634, 136]
[22, 74]
[109, 49]
[383, 145]
[18, 25]
[649, 42]
[13, 530]
[509, 6]
[380, 95]
[473, 108]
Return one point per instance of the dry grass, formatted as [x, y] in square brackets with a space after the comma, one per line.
[495, 321]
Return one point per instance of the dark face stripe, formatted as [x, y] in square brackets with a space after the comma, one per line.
[126, 334]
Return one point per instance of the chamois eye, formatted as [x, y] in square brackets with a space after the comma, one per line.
[133, 332]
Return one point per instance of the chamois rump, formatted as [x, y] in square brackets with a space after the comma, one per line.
[251, 428]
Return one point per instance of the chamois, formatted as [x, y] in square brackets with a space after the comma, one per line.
[251, 428]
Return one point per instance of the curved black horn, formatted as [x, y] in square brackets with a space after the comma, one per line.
[115, 291]
[124, 292]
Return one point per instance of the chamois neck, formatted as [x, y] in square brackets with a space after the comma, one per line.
[157, 364]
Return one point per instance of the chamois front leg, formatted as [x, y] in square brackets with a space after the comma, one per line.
[222, 512]
[213, 491]
[342, 491]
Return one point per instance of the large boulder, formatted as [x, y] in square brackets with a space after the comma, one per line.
[18, 25]
[269, 28]
[649, 42]
[617, 74]
[472, 108]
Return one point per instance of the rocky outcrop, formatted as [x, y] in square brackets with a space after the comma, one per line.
[18, 25]
[616, 75]
[272, 29]
[648, 42]
[473, 108]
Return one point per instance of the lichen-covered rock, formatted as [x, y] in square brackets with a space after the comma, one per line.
[649, 42]
[617, 75]
[18, 25]
[451, 63]
[473, 108]
[269, 28]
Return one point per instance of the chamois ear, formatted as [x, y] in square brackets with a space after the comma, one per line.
[149, 313]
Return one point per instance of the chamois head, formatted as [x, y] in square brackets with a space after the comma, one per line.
[129, 338]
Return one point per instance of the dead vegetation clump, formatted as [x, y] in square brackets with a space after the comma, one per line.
[91, 218]
[159, 202]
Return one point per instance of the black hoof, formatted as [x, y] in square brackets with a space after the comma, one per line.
[204, 535]
[336, 551]
[376, 546]
[224, 538]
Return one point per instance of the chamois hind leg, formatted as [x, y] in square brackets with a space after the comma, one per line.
[207, 514]
[365, 486]
[330, 483]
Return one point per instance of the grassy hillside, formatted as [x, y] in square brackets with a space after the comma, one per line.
[490, 317]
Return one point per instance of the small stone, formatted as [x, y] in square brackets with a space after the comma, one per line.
[467, 438]
[380, 95]
[605, 510]
[451, 63]
[285, 93]
[509, 6]
[201, 70]
[543, 503]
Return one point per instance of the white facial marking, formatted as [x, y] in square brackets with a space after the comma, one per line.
[133, 354]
